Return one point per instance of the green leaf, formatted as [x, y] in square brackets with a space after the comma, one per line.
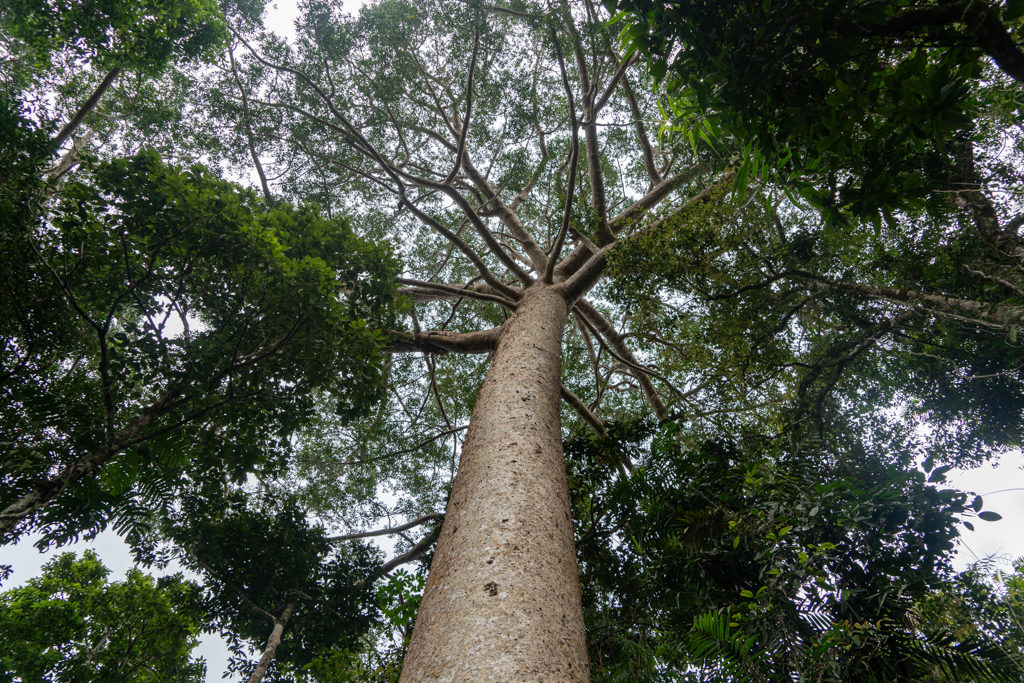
[939, 474]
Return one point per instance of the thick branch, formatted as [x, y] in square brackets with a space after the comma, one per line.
[620, 75]
[272, 642]
[469, 111]
[507, 215]
[413, 554]
[46, 490]
[641, 133]
[657, 194]
[574, 150]
[588, 87]
[443, 341]
[69, 160]
[631, 216]
[71, 126]
[583, 411]
[470, 253]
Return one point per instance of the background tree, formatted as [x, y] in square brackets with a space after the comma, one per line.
[159, 315]
[72, 624]
[274, 581]
[806, 554]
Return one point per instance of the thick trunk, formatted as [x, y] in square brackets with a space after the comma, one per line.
[502, 602]
[272, 642]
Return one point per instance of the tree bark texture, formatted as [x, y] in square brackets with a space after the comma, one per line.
[272, 642]
[502, 602]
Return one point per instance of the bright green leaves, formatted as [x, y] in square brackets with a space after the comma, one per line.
[399, 599]
[71, 624]
[165, 313]
[131, 35]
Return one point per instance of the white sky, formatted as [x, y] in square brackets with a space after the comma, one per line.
[1001, 484]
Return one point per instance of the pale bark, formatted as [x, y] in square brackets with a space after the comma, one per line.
[69, 129]
[272, 642]
[502, 602]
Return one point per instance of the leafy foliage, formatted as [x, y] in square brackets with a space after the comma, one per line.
[257, 558]
[72, 624]
[862, 104]
[161, 322]
[136, 35]
[767, 558]
[193, 362]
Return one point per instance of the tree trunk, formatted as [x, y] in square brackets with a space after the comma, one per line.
[272, 642]
[502, 602]
[69, 129]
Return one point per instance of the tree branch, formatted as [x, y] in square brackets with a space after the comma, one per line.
[604, 328]
[387, 532]
[583, 411]
[272, 642]
[267, 196]
[413, 554]
[461, 149]
[574, 150]
[421, 291]
[443, 341]
[71, 126]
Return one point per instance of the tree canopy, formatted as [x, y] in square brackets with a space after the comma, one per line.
[72, 624]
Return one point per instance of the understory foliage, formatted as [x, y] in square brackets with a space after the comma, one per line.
[765, 557]
[791, 231]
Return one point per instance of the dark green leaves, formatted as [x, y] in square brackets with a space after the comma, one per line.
[164, 321]
[856, 102]
[131, 35]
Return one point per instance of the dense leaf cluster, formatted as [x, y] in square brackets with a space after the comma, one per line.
[71, 624]
[861, 104]
[159, 321]
[767, 557]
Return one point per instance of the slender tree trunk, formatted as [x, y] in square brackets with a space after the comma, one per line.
[502, 602]
[90, 104]
[272, 642]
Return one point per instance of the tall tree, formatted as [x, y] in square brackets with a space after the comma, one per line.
[510, 149]
[516, 158]
[511, 205]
